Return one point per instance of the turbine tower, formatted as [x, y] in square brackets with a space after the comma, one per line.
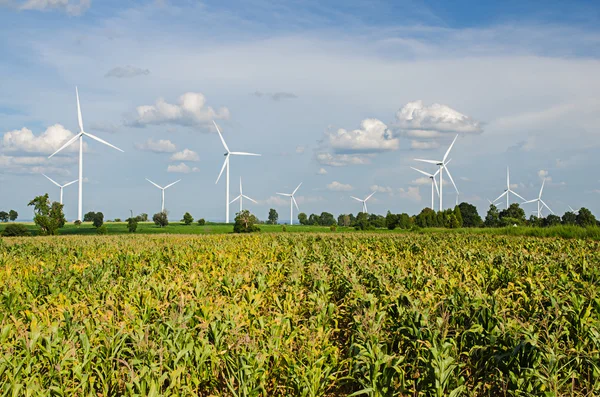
[443, 164]
[540, 202]
[364, 202]
[433, 183]
[508, 190]
[226, 165]
[60, 186]
[163, 191]
[292, 201]
[241, 197]
[80, 136]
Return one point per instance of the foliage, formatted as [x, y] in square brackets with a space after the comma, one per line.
[4, 217]
[13, 215]
[333, 227]
[313, 220]
[404, 221]
[377, 221]
[201, 222]
[15, 230]
[143, 217]
[161, 219]
[391, 220]
[49, 217]
[345, 220]
[326, 219]
[89, 217]
[512, 215]
[308, 315]
[492, 219]
[470, 216]
[132, 224]
[98, 219]
[188, 219]
[118, 220]
[362, 221]
[569, 218]
[585, 218]
[303, 218]
[77, 223]
[273, 217]
[552, 220]
[245, 222]
[102, 229]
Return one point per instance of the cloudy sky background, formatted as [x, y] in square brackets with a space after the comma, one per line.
[341, 97]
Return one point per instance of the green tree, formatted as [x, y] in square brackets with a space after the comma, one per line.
[98, 219]
[15, 230]
[4, 217]
[326, 219]
[534, 221]
[245, 222]
[161, 219]
[313, 220]
[362, 221]
[132, 224]
[344, 220]
[13, 215]
[49, 217]
[569, 218]
[585, 218]
[492, 219]
[187, 219]
[458, 216]
[391, 220]
[303, 218]
[143, 217]
[512, 215]
[273, 217]
[427, 218]
[470, 216]
[89, 217]
[404, 221]
[552, 220]
[201, 222]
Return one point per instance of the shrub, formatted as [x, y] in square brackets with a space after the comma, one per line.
[201, 222]
[77, 223]
[16, 230]
[283, 228]
[333, 228]
[161, 219]
[102, 230]
[98, 219]
[118, 220]
[245, 222]
[187, 219]
[132, 224]
[48, 216]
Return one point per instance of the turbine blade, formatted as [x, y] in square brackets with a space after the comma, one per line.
[451, 180]
[235, 199]
[160, 187]
[356, 198]
[222, 168]
[295, 190]
[102, 141]
[221, 136]
[241, 191]
[521, 197]
[70, 183]
[507, 178]
[245, 154]
[295, 203]
[422, 172]
[436, 185]
[545, 205]
[52, 180]
[70, 141]
[370, 195]
[246, 197]
[284, 194]
[168, 186]
[502, 195]
[428, 161]
[79, 118]
[450, 148]
[542, 189]
[529, 201]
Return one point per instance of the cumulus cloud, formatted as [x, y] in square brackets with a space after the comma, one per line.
[382, 189]
[160, 146]
[71, 7]
[126, 72]
[48, 142]
[412, 193]
[543, 174]
[424, 145]
[182, 168]
[372, 136]
[191, 110]
[322, 171]
[336, 186]
[276, 96]
[341, 160]
[417, 120]
[22, 165]
[185, 155]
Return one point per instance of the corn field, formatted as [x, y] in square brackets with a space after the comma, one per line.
[301, 315]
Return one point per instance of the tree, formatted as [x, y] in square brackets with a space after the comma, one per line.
[585, 218]
[391, 220]
[273, 217]
[362, 221]
[161, 219]
[98, 219]
[13, 215]
[470, 216]
[458, 216]
[4, 217]
[452, 222]
[552, 220]
[132, 224]
[492, 219]
[48, 216]
[344, 220]
[512, 215]
[201, 222]
[15, 230]
[89, 217]
[302, 218]
[403, 221]
[534, 221]
[326, 219]
[569, 218]
[187, 218]
[245, 222]
[313, 219]
[377, 221]
[143, 217]
[427, 218]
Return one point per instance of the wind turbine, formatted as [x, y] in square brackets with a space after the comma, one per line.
[80, 136]
[364, 202]
[292, 201]
[241, 197]
[163, 191]
[60, 186]
[508, 190]
[443, 164]
[539, 201]
[433, 184]
[572, 210]
[226, 164]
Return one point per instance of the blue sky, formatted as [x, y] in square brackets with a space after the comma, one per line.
[340, 96]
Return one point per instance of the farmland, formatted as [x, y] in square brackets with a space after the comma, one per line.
[310, 314]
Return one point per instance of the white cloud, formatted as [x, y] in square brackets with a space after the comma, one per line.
[421, 181]
[372, 137]
[189, 111]
[277, 201]
[419, 121]
[300, 149]
[48, 142]
[160, 146]
[382, 189]
[276, 96]
[182, 168]
[543, 174]
[71, 7]
[336, 186]
[322, 171]
[35, 165]
[341, 160]
[121, 72]
[185, 155]
[424, 145]
[412, 193]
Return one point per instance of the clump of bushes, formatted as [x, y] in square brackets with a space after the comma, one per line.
[132, 224]
[245, 222]
[161, 219]
[201, 222]
[187, 219]
[15, 230]
[102, 230]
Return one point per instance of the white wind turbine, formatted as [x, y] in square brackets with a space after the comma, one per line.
[364, 202]
[80, 136]
[443, 164]
[292, 201]
[573, 210]
[163, 191]
[226, 165]
[433, 184]
[508, 190]
[241, 197]
[60, 186]
[539, 201]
